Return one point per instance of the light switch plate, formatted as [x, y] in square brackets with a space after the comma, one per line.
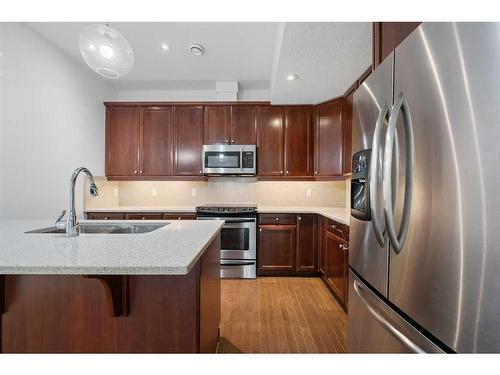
[154, 192]
[308, 192]
[194, 192]
[115, 193]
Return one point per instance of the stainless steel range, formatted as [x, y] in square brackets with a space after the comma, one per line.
[238, 238]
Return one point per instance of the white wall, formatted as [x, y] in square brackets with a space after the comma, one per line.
[51, 121]
[189, 95]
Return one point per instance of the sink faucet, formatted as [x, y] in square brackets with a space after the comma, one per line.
[71, 223]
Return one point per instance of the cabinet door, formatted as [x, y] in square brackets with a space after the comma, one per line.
[270, 138]
[322, 246]
[244, 125]
[336, 272]
[307, 243]
[157, 142]
[122, 141]
[298, 142]
[188, 128]
[277, 249]
[217, 124]
[328, 145]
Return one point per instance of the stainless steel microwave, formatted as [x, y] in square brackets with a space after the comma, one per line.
[229, 160]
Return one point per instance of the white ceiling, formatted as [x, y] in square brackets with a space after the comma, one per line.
[327, 56]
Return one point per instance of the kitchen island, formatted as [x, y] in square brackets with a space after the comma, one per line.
[156, 292]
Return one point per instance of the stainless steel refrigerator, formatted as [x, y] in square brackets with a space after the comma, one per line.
[425, 196]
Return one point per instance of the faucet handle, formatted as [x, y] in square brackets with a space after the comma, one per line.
[60, 218]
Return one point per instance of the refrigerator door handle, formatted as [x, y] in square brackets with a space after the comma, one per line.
[385, 323]
[374, 180]
[398, 240]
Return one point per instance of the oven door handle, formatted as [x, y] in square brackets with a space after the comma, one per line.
[249, 263]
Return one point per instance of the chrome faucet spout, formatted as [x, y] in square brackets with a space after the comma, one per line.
[71, 222]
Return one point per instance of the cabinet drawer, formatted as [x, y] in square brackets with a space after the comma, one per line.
[179, 216]
[105, 216]
[338, 229]
[144, 216]
[278, 219]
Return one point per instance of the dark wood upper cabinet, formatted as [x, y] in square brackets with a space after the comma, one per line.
[307, 243]
[157, 142]
[122, 141]
[217, 124]
[347, 112]
[328, 139]
[387, 36]
[277, 249]
[270, 141]
[243, 125]
[188, 128]
[298, 142]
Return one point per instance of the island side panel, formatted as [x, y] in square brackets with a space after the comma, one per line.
[210, 298]
[70, 314]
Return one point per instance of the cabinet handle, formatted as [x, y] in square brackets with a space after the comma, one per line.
[143, 218]
[135, 172]
[276, 218]
[179, 218]
[300, 217]
[315, 172]
[201, 172]
[333, 226]
[260, 230]
[232, 140]
[227, 140]
[286, 172]
[140, 172]
[106, 218]
[281, 172]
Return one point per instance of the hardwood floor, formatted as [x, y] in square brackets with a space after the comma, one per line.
[281, 315]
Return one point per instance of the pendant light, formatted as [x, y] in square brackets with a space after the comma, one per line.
[106, 51]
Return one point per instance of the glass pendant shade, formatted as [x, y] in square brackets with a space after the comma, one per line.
[106, 51]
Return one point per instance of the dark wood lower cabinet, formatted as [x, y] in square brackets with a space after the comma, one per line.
[307, 243]
[277, 249]
[287, 244]
[71, 313]
[141, 216]
[337, 265]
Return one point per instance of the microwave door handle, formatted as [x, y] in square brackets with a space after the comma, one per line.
[398, 239]
[374, 176]
[385, 323]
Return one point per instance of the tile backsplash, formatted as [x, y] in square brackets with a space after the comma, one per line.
[217, 190]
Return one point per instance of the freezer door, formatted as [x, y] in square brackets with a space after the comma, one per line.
[373, 327]
[369, 255]
[446, 275]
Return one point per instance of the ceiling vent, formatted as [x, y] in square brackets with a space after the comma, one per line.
[196, 49]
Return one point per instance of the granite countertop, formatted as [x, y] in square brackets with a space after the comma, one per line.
[340, 214]
[171, 250]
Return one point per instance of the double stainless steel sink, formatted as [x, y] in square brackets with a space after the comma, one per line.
[100, 228]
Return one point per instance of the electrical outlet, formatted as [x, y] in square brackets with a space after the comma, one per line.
[309, 193]
[154, 192]
[194, 192]
[115, 193]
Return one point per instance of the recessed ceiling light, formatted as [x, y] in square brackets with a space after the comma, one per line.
[196, 49]
[165, 47]
[292, 77]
